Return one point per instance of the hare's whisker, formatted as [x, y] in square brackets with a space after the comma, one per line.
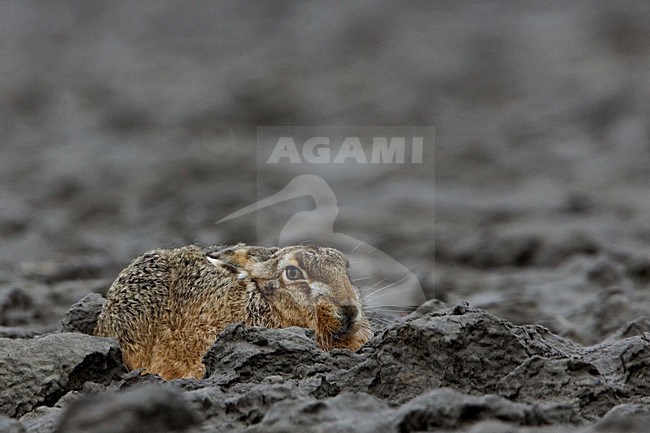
[358, 245]
[379, 326]
[379, 282]
[394, 306]
[383, 321]
[393, 310]
[390, 285]
[375, 298]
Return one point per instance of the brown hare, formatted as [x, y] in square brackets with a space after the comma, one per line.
[168, 306]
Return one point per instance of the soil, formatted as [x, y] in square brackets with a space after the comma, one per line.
[129, 126]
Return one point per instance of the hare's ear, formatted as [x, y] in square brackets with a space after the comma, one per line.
[236, 257]
[240, 258]
[262, 254]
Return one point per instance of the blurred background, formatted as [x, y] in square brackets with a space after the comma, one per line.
[132, 125]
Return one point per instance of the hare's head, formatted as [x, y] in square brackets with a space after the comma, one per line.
[304, 286]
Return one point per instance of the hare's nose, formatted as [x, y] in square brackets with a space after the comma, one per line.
[349, 315]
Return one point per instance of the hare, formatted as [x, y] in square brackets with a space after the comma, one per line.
[168, 306]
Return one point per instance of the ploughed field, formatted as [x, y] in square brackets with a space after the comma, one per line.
[126, 128]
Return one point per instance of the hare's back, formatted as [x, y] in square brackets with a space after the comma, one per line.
[137, 297]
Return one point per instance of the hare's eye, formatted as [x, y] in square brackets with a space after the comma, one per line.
[293, 273]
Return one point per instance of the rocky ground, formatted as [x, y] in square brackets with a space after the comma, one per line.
[128, 126]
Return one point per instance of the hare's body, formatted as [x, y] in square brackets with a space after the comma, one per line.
[168, 306]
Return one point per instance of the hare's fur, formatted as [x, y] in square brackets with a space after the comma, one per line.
[168, 306]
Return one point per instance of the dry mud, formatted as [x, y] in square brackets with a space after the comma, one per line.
[127, 126]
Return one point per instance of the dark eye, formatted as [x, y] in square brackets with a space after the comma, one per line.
[293, 273]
